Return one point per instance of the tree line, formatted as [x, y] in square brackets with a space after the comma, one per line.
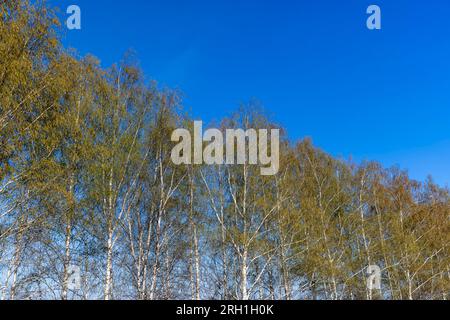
[86, 179]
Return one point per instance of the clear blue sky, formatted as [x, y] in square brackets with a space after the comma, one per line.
[378, 95]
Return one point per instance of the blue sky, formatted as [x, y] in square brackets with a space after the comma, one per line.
[378, 95]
